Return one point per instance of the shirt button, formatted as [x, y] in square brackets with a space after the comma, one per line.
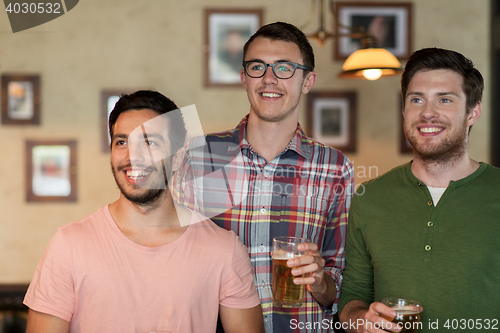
[427, 248]
[263, 211]
[266, 174]
[430, 224]
[430, 203]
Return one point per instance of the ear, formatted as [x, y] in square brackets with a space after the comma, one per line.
[474, 114]
[243, 79]
[178, 159]
[309, 81]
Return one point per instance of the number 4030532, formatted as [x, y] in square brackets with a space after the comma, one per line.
[34, 8]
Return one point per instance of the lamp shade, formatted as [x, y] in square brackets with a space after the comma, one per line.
[370, 63]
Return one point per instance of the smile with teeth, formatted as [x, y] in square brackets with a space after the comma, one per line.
[270, 95]
[431, 129]
[137, 174]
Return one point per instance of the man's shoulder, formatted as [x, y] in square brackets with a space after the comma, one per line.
[392, 177]
[210, 230]
[86, 224]
[323, 151]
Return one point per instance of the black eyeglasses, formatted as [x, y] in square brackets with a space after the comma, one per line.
[282, 69]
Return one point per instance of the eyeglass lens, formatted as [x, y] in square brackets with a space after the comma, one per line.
[282, 70]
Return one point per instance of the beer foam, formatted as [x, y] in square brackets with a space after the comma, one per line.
[407, 309]
[283, 255]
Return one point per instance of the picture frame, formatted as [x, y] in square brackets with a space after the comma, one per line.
[226, 32]
[109, 97]
[20, 99]
[389, 22]
[51, 172]
[331, 118]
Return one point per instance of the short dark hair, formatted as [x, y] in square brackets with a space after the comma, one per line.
[152, 100]
[436, 58]
[288, 33]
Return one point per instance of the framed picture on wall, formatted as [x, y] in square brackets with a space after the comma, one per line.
[51, 170]
[226, 31]
[331, 118]
[390, 24]
[20, 99]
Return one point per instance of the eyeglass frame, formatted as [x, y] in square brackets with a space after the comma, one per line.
[295, 66]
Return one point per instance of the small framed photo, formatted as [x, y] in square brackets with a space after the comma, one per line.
[331, 118]
[51, 170]
[20, 99]
[390, 23]
[226, 32]
[109, 98]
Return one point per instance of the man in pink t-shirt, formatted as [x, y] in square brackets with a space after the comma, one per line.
[141, 264]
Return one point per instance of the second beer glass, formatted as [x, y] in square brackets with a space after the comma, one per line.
[286, 293]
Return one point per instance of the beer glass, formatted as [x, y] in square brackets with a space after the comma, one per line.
[286, 293]
[407, 313]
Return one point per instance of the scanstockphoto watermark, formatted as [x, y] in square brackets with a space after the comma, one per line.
[352, 325]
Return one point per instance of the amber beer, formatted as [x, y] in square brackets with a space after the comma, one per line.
[285, 292]
[407, 314]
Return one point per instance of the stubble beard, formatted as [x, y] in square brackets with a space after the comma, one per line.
[145, 198]
[450, 149]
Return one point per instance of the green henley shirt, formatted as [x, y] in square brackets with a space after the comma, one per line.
[447, 256]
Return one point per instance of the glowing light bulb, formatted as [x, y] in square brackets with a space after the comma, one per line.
[372, 74]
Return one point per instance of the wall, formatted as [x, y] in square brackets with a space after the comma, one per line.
[158, 44]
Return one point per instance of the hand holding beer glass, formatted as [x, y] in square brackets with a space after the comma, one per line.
[407, 313]
[285, 292]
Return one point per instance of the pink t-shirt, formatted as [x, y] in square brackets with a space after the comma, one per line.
[95, 277]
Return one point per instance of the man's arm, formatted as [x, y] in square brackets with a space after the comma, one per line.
[39, 322]
[368, 319]
[242, 320]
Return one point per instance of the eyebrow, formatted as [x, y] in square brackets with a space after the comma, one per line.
[444, 93]
[280, 60]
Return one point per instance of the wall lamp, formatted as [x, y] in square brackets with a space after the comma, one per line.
[369, 62]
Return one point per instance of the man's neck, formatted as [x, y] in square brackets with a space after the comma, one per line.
[269, 138]
[149, 225]
[440, 173]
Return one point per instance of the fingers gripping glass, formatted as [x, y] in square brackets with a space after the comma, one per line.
[282, 69]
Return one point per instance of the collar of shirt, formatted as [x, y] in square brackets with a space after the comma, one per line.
[299, 143]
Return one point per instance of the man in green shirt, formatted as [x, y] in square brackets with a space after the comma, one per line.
[429, 230]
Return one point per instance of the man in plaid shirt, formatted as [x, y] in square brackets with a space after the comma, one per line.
[265, 178]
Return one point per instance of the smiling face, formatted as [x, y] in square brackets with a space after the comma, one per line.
[435, 119]
[133, 152]
[272, 99]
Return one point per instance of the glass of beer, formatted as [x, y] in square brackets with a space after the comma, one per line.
[286, 293]
[407, 314]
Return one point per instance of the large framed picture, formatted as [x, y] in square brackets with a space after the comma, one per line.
[20, 99]
[226, 31]
[389, 23]
[51, 170]
[331, 118]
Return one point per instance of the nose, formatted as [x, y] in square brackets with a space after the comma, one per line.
[137, 150]
[429, 111]
[269, 77]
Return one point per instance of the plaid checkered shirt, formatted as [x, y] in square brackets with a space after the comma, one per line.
[304, 192]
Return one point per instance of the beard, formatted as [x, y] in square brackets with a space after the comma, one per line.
[142, 196]
[449, 149]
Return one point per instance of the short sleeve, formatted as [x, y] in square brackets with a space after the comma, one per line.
[237, 288]
[51, 290]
